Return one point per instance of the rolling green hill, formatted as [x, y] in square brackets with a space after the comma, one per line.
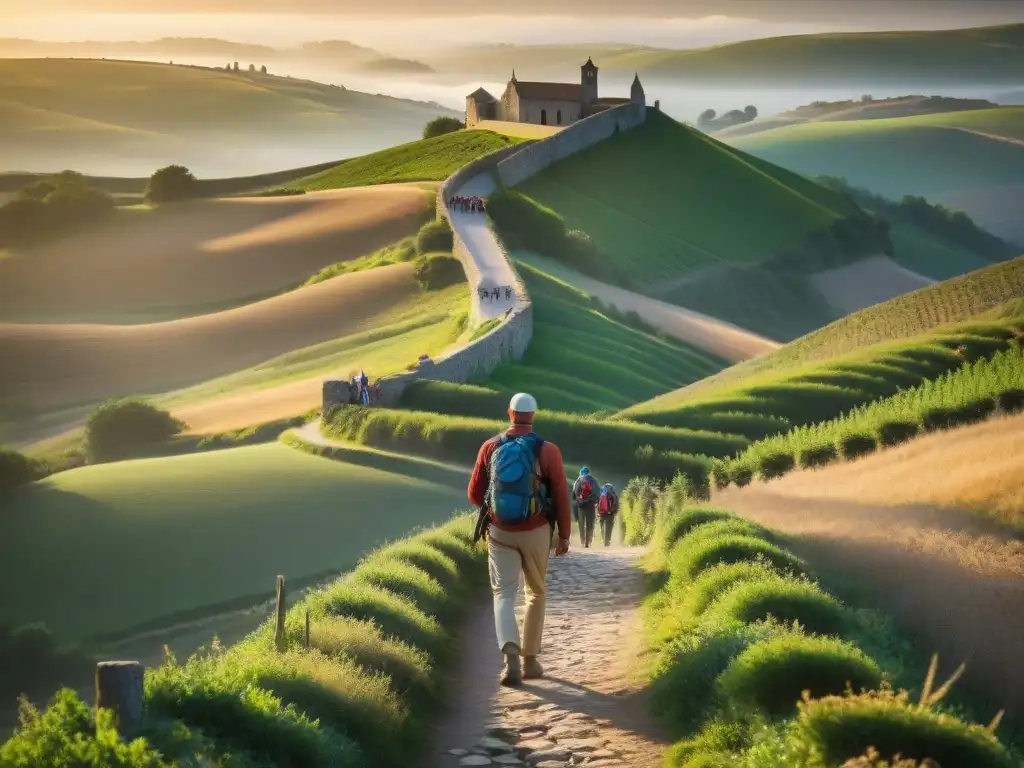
[953, 156]
[681, 217]
[240, 516]
[55, 113]
[976, 55]
[897, 321]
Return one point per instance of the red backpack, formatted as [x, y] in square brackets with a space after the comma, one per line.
[609, 503]
[586, 489]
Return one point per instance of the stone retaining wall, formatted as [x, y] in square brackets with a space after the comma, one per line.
[535, 158]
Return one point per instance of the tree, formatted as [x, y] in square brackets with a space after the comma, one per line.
[171, 184]
[442, 125]
[706, 117]
[750, 111]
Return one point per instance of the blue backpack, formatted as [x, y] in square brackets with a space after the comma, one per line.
[514, 494]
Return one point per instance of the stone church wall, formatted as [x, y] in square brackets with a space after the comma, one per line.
[535, 158]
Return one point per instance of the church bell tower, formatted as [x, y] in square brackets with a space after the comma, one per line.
[588, 83]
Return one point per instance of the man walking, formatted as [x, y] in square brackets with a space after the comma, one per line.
[584, 493]
[519, 484]
[607, 508]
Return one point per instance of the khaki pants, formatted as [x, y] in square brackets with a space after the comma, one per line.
[510, 554]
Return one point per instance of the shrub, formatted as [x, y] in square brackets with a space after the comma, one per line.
[714, 582]
[690, 558]
[741, 475]
[120, 428]
[72, 205]
[435, 237]
[637, 505]
[680, 523]
[818, 456]
[17, 469]
[438, 271]
[936, 418]
[171, 184]
[770, 676]
[971, 412]
[407, 581]
[895, 432]
[786, 599]
[525, 223]
[1011, 401]
[854, 446]
[833, 728]
[720, 475]
[775, 465]
[442, 125]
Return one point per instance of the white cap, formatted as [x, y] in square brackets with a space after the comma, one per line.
[523, 403]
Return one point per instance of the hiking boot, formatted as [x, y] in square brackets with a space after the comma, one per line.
[512, 674]
[532, 670]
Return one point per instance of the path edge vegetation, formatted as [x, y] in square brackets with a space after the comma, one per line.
[362, 694]
[753, 664]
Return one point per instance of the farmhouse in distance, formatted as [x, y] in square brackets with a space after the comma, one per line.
[547, 103]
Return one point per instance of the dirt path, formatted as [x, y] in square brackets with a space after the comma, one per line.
[708, 333]
[587, 710]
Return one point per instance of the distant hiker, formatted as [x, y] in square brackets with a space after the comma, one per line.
[497, 294]
[585, 493]
[607, 508]
[508, 292]
[519, 485]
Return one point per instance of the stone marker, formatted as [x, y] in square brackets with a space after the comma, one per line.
[119, 689]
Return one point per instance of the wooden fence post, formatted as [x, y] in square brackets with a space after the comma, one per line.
[307, 629]
[119, 688]
[279, 635]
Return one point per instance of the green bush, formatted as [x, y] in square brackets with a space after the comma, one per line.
[834, 728]
[172, 184]
[435, 237]
[458, 399]
[1011, 401]
[818, 456]
[118, 429]
[936, 418]
[689, 559]
[971, 412]
[17, 469]
[741, 475]
[892, 433]
[786, 599]
[438, 271]
[680, 523]
[855, 446]
[525, 223]
[714, 582]
[442, 125]
[775, 465]
[770, 676]
[637, 507]
[720, 475]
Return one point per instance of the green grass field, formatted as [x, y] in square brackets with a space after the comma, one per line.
[424, 160]
[664, 199]
[928, 155]
[951, 301]
[174, 534]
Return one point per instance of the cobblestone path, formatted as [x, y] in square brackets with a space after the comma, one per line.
[586, 710]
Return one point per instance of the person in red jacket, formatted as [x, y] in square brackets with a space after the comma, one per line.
[519, 485]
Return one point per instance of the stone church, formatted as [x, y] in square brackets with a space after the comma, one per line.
[547, 103]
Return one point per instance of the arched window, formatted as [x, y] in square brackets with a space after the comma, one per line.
[543, 117]
[558, 117]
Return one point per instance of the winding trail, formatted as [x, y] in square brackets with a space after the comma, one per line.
[587, 710]
[718, 337]
[492, 265]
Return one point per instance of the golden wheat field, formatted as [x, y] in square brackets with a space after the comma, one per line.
[201, 256]
[51, 366]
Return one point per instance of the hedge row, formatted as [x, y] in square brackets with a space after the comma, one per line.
[756, 665]
[968, 395]
[360, 696]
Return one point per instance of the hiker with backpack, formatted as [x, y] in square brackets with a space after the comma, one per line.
[607, 508]
[519, 485]
[585, 495]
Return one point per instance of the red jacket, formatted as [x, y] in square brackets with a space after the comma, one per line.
[552, 470]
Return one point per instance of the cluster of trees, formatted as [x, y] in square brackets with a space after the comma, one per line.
[57, 205]
[233, 67]
[955, 226]
[172, 184]
[710, 121]
[442, 125]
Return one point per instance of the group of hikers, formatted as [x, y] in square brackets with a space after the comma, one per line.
[519, 485]
[361, 392]
[487, 294]
[467, 204]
